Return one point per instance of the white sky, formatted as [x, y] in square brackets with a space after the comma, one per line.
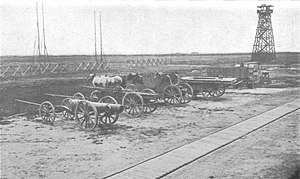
[147, 27]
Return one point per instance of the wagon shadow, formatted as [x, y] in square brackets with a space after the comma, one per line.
[111, 129]
[204, 99]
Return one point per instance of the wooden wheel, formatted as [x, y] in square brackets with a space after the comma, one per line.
[47, 112]
[108, 99]
[150, 103]
[133, 104]
[172, 95]
[187, 92]
[208, 92]
[66, 102]
[110, 117]
[79, 96]
[86, 115]
[95, 96]
[220, 90]
[131, 87]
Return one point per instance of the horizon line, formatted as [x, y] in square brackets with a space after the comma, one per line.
[158, 54]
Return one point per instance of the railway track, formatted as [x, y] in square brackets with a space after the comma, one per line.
[166, 163]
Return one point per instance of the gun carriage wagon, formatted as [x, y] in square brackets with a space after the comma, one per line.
[88, 114]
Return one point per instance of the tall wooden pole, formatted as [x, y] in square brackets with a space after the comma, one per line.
[100, 38]
[95, 36]
[38, 30]
[44, 36]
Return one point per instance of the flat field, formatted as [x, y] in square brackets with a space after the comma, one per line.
[33, 149]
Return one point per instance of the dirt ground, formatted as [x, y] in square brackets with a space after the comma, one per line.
[31, 149]
[270, 152]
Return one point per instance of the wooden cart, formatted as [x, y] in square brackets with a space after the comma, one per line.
[135, 103]
[209, 87]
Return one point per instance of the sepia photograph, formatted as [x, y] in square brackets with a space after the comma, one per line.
[145, 89]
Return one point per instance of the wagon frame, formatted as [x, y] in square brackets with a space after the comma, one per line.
[135, 103]
[209, 87]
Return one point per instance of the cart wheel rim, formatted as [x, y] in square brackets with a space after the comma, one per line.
[150, 104]
[79, 96]
[109, 119]
[221, 90]
[133, 104]
[95, 96]
[108, 99]
[86, 115]
[66, 114]
[131, 87]
[47, 112]
[172, 95]
[187, 92]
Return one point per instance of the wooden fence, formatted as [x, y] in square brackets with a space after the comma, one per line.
[148, 62]
[42, 69]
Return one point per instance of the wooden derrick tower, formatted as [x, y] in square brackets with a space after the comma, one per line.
[264, 45]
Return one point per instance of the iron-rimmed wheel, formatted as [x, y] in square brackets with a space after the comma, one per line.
[47, 112]
[220, 90]
[108, 99]
[172, 95]
[67, 103]
[95, 96]
[79, 96]
[150, 103]
[208, 92]
[131, 87]
[109, 118]
[133, 104]
[86, 115]
[187, 92]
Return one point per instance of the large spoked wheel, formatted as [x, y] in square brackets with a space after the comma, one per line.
[79, 96]
[133, 104]
[187, 92]
[131, 87]
[109, 118]
[172, 95]
[86, 115]
[150, 103]
[95, 96]
[47, 112]
[67, 103]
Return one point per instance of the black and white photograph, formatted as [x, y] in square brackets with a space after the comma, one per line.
[145, 89]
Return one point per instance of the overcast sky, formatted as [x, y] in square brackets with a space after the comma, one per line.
[147, 27]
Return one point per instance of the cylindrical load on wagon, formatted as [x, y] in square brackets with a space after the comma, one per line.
[106, 107]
